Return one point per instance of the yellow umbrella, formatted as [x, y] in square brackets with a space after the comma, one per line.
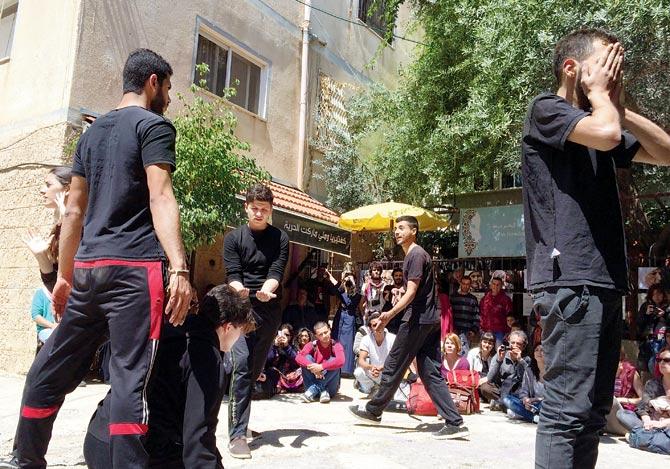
[380, 217]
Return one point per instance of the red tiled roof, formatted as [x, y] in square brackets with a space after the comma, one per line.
[297, 201]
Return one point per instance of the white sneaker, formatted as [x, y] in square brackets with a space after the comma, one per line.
[325, 397]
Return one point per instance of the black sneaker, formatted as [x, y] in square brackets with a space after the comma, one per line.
[12, 463]
[361, 413]
[451, 432]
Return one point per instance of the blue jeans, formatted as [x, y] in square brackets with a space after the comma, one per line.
[515, 404]
[315, 386]
[581, 337]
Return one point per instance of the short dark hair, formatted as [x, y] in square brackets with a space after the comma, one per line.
[319, 325]
[411, 221]
[140, 65]
[466, 277]
[372, 317]
[259, 193]
[223, 304]
[653, 289]
[376, 265]
[397, 269]
[578, 45]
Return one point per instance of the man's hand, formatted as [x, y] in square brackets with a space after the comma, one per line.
[515, 354]
[59, 297]
[601, 75]
[647, 422]
[178, 304]
[375, 371]
[315, 368]
[501, 353]
[384, 319]
[265, 296]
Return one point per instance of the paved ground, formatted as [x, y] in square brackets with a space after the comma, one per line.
[325, 434]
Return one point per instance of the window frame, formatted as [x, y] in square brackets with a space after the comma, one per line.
[226, 41]
[13, 5]
[373, 28]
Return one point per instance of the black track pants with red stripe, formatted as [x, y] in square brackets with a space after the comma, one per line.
[127, 297]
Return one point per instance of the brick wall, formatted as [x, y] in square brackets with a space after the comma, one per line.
[22, 171]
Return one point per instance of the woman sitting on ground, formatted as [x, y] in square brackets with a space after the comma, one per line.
[628, 390]
[303, 337]
[527, 402]
[480, 357]
[651, 420]
[452, 360]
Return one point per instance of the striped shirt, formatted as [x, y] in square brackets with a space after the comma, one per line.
[466, 312]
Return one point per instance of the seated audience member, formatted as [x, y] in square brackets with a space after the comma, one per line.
[480, 357]
[653, 317]
[451, 355]
[187, 389]
[506, 372]
[628, 390]
[301, 313]
[302, 338]
[374, 349]
[528, 402]
[471, 340]
[651, 420]
[42, 314]
[282, 373]
[321, 361]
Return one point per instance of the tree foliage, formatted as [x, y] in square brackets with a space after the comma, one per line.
[458, 113]
[213, 166]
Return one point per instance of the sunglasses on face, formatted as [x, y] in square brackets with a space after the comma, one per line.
[664, 360]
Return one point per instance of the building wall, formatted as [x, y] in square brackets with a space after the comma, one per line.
[34, 99]
[66, 59]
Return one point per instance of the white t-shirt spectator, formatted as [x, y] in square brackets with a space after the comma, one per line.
[377, 353]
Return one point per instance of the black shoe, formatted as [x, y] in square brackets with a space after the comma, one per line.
[12, 463]
[361, 413]
[451, 432]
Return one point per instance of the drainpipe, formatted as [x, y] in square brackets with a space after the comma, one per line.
[304, 89]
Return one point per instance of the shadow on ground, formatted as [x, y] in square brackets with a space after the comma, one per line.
[272, 437]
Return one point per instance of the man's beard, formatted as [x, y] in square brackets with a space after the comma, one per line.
[582, 100]
[157, 104]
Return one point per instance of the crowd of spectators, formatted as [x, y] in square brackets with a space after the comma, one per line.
[479, 336]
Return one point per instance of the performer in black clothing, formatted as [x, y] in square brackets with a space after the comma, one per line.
[573, 140]
[255, 256]
[187, 388]
[122, 185]
[418, 336]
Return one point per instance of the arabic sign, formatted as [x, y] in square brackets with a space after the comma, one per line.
[313, 234]
[492, 232]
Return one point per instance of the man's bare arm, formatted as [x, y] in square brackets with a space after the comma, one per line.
[655, 141]
[602, 129]
[165, 214]
[405, 300]
[73, 221]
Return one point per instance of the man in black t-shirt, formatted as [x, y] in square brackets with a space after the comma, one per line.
[120, 223]
[255, 256]
[418, 336]
[572, 143]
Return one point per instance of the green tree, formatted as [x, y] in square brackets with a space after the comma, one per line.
[458, 113]
[213, 167]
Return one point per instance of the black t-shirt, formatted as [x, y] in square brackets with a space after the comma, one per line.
[573, 223]
[419, 266]
[252, 257]
[112, 156]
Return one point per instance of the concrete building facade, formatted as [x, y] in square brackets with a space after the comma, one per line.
[61, 60]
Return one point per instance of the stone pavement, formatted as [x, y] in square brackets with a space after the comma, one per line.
[304, 435]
